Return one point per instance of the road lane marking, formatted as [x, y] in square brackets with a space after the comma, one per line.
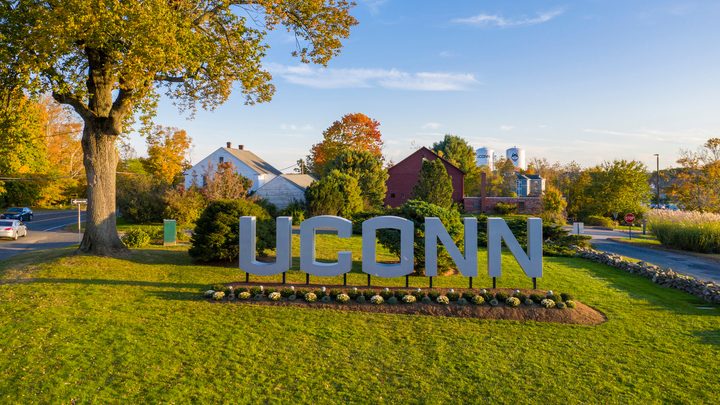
[59, 226]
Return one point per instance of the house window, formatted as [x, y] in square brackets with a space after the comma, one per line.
[221, 159]
[392, 195]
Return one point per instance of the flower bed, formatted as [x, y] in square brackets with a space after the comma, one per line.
[545, 306]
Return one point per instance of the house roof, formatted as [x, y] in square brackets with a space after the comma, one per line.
[253, 161]
[300, 180]
[424, 149]
[529, 176]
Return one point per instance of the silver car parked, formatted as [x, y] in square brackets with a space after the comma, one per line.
[12, 228]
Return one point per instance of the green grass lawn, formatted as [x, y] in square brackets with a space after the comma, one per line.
[137, 330]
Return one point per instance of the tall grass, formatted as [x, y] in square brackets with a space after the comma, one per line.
[686, 230]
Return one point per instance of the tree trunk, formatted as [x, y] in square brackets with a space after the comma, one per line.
[100, 160]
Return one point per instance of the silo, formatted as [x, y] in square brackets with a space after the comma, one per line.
[485, 157]
[517, 156]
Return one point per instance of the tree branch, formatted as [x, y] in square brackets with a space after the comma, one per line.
[75, 103]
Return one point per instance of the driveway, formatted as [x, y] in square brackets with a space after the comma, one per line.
[686, 263]
[45, 231]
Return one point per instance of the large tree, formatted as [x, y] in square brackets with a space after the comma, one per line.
[369, 172]
[168, 153]
[459, 152]
[434, 184]
[355, 132]
[110, 59]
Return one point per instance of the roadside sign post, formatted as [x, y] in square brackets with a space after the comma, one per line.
[629, 218]
[79, 202]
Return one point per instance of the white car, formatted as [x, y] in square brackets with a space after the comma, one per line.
[12, 228]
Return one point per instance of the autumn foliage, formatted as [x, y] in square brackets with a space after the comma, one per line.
[354, 132]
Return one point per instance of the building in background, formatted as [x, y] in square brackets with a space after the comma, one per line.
[403, 176]
[245, 162]
[530, 185]
[517, 157]
[285, 189]
[485, 157]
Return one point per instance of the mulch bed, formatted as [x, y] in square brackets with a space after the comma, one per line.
[580, 315]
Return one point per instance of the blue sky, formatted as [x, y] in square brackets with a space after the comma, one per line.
[587, 80]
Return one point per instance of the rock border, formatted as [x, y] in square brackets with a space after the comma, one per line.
[707, 290]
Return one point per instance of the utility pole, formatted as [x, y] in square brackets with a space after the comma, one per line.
[657, 178]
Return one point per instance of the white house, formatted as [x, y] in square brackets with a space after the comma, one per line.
[245, 162]
[285, 188]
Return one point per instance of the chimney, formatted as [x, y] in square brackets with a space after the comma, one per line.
[229, 145]
[241, 147]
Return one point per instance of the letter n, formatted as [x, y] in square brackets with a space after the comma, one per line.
[531, 263]
[435, 230]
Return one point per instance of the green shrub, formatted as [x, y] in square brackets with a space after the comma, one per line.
[501, 296]
[255, 291]
[570, 303]
[537, 298]
[468, 295]
[353, 294]
[433, 295]
[400, 293]
[392, 300]
[136, 238]
[184, 206]
[596, 220]
[386, 294]
[417, 211]
[560, 305]
[359, 217]
[418, 294]
[216, 234]
[286, 292]
[297, 210]
[566, 297]
[453, 296]
[502, 208]
[335, 194]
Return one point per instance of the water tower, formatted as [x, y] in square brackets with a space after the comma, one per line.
[517, 156]
[485, 157]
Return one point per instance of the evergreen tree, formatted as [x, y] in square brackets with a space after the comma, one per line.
[434, 185]
[335, 194]
[368, 169]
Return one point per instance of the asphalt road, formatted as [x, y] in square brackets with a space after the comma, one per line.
[45, 231]
[700, 267]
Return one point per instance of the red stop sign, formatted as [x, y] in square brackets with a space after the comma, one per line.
[629, 218]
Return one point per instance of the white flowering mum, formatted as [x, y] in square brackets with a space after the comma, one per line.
[376, 299]
[310, 297]
[218, 295]
[244, 295]
[547, 303]
[409, 299]
[443, 300]
[342, 298]
[209, 293]
[275, 296]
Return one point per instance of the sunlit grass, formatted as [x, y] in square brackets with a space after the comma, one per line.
[136, 329]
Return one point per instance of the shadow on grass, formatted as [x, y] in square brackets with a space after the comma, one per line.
[176, 295]
[133, 283]
[709, 337]
[641, 288]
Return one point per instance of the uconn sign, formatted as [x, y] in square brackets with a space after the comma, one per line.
[530, 261]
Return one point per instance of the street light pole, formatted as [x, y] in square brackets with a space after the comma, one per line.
[657, 178]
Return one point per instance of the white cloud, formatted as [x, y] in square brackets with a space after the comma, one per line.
[506, 127]
[374, 5]
[296, 127]
[431, 125]
[496, 20]
[331, 78]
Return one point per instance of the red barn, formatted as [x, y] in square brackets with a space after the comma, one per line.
[404, 175]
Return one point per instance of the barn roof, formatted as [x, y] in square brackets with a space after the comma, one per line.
[302, 181]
